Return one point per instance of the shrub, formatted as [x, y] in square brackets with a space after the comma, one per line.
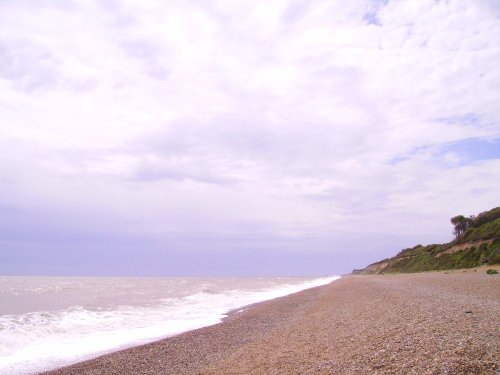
[491, 271]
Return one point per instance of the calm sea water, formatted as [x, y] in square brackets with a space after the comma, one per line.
[48, 322]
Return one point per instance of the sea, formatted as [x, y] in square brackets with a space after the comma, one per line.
[50, 322]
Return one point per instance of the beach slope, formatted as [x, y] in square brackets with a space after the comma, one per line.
[427, 323]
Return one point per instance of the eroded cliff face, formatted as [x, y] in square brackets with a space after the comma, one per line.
[462, 246]
[374, 268]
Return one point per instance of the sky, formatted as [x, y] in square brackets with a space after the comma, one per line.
[214, 138]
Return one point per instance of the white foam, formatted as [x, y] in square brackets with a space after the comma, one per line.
[39, 341]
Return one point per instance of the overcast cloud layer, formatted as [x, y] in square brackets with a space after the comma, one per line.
[234, 137]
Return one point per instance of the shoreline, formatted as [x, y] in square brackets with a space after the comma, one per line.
[83, 331]
[433, 322]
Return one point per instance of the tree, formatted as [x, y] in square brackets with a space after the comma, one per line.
[461, 224]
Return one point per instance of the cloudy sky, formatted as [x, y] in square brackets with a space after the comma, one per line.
[280, 137]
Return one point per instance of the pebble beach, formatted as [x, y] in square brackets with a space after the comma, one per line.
[426, 323]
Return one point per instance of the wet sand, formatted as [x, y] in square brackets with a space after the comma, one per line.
[427, 323]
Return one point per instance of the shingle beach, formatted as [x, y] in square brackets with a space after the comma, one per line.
[427, 323]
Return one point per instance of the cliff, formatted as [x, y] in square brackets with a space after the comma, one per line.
[477, 243]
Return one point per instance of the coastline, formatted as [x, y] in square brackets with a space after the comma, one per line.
[427, 323]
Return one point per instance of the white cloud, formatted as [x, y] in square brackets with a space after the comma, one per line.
[294, 116]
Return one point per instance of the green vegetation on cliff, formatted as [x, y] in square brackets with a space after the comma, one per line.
[477, 243]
